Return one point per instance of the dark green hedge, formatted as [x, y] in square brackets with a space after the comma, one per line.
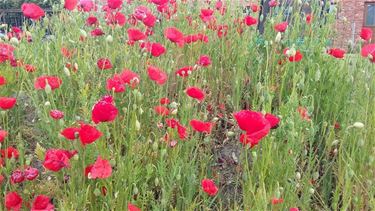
[16, 4]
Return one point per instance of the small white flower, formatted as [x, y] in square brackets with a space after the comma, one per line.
[358, 125]
[109, 39]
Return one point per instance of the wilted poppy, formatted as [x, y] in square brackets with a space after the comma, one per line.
[17, 176]
[97, 32]
[31, 173]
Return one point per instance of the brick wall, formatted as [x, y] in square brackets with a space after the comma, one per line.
[350, 21]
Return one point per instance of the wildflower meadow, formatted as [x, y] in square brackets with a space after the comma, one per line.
[185, 105]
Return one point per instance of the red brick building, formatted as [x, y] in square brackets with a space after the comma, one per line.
[352, 16]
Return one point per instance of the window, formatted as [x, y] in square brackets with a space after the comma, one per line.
[370, 14]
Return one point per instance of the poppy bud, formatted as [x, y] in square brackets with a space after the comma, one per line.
[97, 192]
[66, 71]
[28, 34]
[358, 125]
[14, 41]
[155, 146]
[47, 103]
[83, 33]
[298, 176]
[135, 190]
[230, 133]
[174, 111]
[48, 88]
[140, 111]
[278, 37]
[178, 177]
[335, 142]
[109, 39]
[137, 125]
[312, 191]
[174, 105]
[157, 181]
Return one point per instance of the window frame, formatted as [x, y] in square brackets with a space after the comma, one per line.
[366, 13]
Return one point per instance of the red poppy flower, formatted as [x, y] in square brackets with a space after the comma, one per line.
[115, 84]
[87, 5]
[7, 102]
[42, 202]
[209, 187]
[129, 77]
[9, 153]
[303, 113]
[104, 64]
[250, 21]
[70, 4]
[56, 114]
[309, 18]
[13, 201]
[88, 134]
[3, 135]
[185, 71]
[120, 19]
[114, 4]
[156, 49]
[141, 12]
[17, 176]
[255, 7]
[53, 81]
[161, 110]
[294, 209]
[157, 75]
[222, 31]
[135, 35]
[336, 52]
[92, 20]
[67, 53]
[275, 201]
[32, 11]
[56, 159]
[206, 15]
[164, 101]
[182, 131]
[204, 61]
[200, 126]
[104, 110]
[366, 34]
[281, 27]
[97, 32]
[31, 173]
[195, 93]
[2, 80]
[6, 52]
[101, 169]
[149, 20]
[273, 3]
[368, 51]
[70, 133]
[132, 207]
[273, 120]
[174, 35]
[293, 58]
[255, 125]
